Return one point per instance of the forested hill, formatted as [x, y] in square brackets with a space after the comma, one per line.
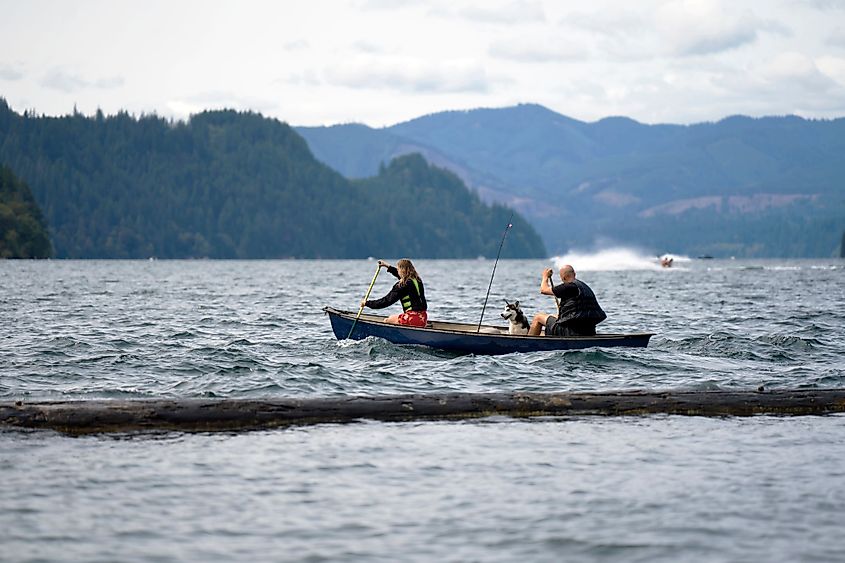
[22, 230]
[431, 207]
[236, 185]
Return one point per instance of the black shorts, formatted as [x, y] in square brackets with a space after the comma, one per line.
[571, 328]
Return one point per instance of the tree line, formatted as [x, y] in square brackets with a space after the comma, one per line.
[228, 184]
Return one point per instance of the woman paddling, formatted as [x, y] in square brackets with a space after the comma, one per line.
[408, 290]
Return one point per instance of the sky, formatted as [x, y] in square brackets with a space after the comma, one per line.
[381, 62]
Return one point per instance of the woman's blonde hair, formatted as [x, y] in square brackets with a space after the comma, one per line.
[406, 271]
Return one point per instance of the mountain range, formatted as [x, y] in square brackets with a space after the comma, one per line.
[749, 187]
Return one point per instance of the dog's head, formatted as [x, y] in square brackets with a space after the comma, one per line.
[511, 311]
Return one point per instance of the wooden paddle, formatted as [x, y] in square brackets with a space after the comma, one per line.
[367, 296]
[552, 286]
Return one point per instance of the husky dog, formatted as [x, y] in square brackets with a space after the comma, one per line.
[516, 318]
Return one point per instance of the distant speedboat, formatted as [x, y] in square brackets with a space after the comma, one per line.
[666, 261]
[468, 338]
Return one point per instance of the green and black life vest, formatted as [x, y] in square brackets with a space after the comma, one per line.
[413, 300]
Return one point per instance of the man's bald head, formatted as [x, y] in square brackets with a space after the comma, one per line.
[567, 273]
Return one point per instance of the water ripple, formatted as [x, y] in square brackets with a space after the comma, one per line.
[227, 329]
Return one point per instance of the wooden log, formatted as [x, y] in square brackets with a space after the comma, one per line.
[199, 415]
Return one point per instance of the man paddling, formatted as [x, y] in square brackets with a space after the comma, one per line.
[578, 310]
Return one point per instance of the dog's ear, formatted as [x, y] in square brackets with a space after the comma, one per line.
[516, 303]
[506, 302]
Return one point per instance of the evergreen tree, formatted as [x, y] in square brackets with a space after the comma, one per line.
[23, 233]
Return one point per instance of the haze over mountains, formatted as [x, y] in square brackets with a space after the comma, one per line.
[765, 187]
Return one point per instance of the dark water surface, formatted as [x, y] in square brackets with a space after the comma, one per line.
[592, 489]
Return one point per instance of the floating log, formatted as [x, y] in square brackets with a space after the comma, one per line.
[202, 415]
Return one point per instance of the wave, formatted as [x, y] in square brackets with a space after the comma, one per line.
[615, 259]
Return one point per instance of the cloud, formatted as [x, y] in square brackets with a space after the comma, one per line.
[368, 47]
[296, 45]
[59, 79]
[613, 34]
[520, 11]
[676, 28]
[607, 22]
[386, 4]
[824, 5]
[10, 73]
[218, 99]
[795, 70]
[788, 83]
[537, 51]
[108, 83]
[836, 38]
[700, 27]
[410, 76]
[834, 67]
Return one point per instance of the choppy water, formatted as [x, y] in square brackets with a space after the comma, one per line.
[649, 488]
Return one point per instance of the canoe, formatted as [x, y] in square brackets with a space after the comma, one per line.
[466, 338]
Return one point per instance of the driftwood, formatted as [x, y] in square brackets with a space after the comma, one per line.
[79, 417]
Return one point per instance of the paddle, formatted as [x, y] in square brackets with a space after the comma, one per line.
[557, 301]
[367, 296]
[552, 286]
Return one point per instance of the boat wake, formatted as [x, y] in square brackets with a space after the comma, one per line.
[615, 259]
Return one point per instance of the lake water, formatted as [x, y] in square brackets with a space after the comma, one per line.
[655, 488]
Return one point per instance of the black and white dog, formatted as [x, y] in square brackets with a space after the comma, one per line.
[516, 318]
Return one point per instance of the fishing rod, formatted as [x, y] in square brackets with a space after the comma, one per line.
[510, 224]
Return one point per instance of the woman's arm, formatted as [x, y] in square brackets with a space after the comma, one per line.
[392, 297]
[392, 269]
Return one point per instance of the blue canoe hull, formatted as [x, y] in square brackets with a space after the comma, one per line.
[463, 338]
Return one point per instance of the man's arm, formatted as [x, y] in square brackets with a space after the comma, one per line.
[546, 287]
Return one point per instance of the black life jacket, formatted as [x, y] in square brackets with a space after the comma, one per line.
[413, 298]
[583, 306]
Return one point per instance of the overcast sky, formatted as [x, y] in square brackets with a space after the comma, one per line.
[379, 62]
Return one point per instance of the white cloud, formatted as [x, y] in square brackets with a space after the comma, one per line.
[700, 27]
[64, 81]
[198, 103]
[610, 23]
[10, 73]
[410, 76]
[836, 38]
[834, 67]
[382, 61]
[795, 70]
[510, 13]
[296, 45]
[57, 79]
[537, 51]
[385, 4]
[824, 5]
[365, 46]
